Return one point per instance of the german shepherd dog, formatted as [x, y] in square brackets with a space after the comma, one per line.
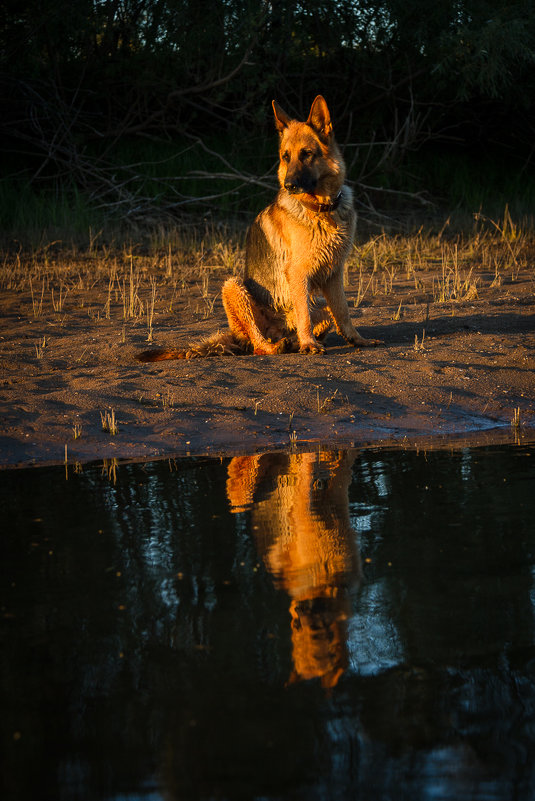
[295, 253]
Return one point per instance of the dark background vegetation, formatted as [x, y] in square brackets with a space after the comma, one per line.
[147, 110]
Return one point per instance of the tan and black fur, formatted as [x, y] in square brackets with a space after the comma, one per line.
[299, 512]
[292, 290]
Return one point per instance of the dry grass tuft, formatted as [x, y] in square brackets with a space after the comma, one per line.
[109, 422]
[134, 284]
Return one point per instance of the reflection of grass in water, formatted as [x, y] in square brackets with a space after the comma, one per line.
[109, 469]
[515, 422]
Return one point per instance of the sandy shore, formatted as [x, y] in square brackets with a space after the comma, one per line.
[448, 372]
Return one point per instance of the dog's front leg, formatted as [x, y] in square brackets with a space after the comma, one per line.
[337, 303]
[300, 295]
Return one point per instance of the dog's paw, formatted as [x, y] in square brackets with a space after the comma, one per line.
[311, 347]
[285, 345]
[272, 348]
[362, 342]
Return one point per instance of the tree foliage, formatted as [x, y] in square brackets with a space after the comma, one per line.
[82, 78]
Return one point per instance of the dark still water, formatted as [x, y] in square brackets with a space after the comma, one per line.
[328, 625]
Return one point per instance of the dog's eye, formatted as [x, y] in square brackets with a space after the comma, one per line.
[286, 157]
[306, 155]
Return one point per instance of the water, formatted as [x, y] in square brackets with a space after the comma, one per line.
[335, 625]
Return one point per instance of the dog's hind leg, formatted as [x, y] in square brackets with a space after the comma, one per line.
[246, 319]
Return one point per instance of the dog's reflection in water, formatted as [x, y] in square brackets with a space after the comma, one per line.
[300, 518]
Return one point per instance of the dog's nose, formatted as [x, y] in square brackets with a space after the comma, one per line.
[291, 186]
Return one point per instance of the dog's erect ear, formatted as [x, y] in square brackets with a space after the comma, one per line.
[281, 118]
[320, 118]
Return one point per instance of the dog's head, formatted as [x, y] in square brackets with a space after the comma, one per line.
[310, 161]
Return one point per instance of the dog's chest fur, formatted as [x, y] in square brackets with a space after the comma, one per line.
[315, 250]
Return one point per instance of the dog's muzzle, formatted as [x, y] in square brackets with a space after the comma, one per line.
[297, 184]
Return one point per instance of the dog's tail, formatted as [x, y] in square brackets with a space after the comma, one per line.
[221, 344]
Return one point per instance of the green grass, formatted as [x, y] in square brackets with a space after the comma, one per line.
[461, 185]
[36, 217]
[469, 183]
